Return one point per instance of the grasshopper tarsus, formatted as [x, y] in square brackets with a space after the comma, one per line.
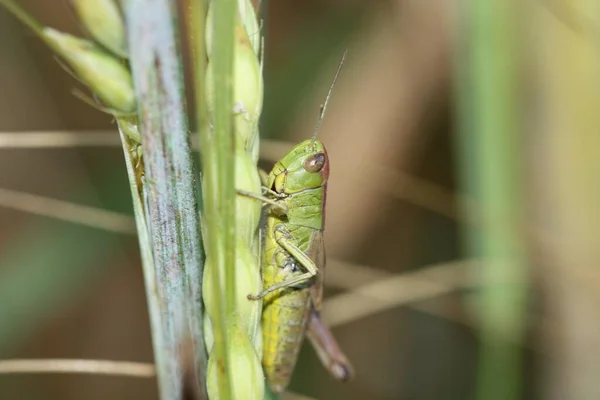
[328, 350]
[340, 371]
[252, 297]
[266, 190]
[263, 293]
[283, 209]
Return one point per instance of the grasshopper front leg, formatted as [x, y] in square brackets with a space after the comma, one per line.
[272, 203]
[285, 240]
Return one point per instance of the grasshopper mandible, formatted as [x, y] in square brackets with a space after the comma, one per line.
[293, 261]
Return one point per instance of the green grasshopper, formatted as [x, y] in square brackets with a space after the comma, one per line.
[293, 261]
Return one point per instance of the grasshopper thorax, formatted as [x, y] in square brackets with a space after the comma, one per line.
[306, 166]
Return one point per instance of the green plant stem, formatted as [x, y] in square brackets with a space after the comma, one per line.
[22, 16]
[217, 155]
[170, 191]
[225, 14]
[491, 168]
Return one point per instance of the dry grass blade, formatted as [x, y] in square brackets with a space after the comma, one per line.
[344, 275]
[427, 195]
[391, 292]
[58, 139]
[93, 367]
[70, 366]
[270, 150]
[422, 297]
[67, 211]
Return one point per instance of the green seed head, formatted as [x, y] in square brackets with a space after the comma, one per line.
[247, 210]
[245, 19]
[249, 385]
[104, 22]
[247, 90]
[250, 22]
[102, 73]
[248, 281]
[244, 344]
[209, 338]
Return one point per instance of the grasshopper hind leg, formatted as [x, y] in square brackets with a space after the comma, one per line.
[286, 241]
[327, 348]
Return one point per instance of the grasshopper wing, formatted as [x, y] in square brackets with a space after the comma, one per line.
[316, 252]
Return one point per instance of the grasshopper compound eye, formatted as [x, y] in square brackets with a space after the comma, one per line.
[315, 163]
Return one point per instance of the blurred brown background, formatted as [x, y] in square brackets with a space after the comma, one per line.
[68, 290]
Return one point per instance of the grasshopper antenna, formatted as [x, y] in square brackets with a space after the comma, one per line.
[324, 105]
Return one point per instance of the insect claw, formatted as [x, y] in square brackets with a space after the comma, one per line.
[342, 371]
[252, 297]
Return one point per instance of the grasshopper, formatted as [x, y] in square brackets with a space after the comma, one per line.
[293, 261]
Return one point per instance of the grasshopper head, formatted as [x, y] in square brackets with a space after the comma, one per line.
[306, 166]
